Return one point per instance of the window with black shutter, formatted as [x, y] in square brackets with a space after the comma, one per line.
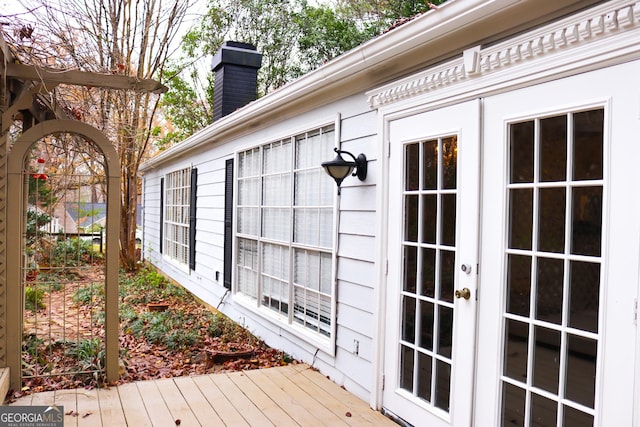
[192, 218]
[228, 223]
[161, 214]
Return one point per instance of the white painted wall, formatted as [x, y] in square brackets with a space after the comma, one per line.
[351, 365]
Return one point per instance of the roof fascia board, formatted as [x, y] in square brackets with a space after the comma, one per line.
[455, 25]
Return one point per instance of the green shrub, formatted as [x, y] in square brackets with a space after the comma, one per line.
[173, 329]
[33, 298]
[150, 286]
[74, 252]
[89, 354]
[93, 292]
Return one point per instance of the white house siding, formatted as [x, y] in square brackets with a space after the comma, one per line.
[351, 364]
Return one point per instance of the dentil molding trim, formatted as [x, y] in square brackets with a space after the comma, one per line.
[576, 33]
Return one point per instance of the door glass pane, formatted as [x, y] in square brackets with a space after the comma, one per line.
[449, 162]
[553, 270]
[406, 368]
[448, 230]
[521, 143]
[551, 219]
[427, 311]
[513, 399]
[411, 218]
[584, 296]
[515, 354]
[575, 418]
[412, 164]
[430, 164]
[589, 139]
[518, 284]
[447, 275]
[520, 218]
[586, 220]
[428, 272]
[553, 149]
[443, 384]
[425, 363]
[445, 327]
[429, 217]
[549, 285]
[410, 268]
[546, 359]
[543, 411]
[426, 325]
[408, 319]
[581, 369]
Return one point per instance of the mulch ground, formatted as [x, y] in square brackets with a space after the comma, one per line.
[63, 319]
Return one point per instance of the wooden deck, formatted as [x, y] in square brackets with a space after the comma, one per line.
[292, 395]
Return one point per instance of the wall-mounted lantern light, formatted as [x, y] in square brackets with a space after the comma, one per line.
[339, 168]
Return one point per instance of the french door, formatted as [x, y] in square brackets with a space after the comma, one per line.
[559, 254]
[513, 258]
[433, 266]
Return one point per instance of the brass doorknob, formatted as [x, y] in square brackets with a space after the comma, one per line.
[463, 293]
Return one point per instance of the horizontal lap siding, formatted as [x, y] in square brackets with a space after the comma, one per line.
[356, 254]
[357, 277]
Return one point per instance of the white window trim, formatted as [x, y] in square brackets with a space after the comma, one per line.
[286, 323]
[169, 259]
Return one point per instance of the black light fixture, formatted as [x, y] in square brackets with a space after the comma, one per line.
[339, 168]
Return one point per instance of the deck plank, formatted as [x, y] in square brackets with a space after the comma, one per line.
[45, 398]
[337, 399]
[219, 402]
[293, 395]
[239, 400]
[198, 403]
[176, 403]
[67, 399]
[262, 401]
[155, 404]
[87, 404]
[302, 406]
[111, 411]
[135, 412]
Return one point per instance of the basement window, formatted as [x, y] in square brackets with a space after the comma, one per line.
[284, 230]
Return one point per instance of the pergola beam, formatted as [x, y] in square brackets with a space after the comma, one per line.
[82, 78]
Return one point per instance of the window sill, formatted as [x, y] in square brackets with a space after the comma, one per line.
[325, 344]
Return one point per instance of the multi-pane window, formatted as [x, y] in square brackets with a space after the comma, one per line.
[176, 215]
[284, 229]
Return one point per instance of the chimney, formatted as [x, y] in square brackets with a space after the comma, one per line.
[236, 77]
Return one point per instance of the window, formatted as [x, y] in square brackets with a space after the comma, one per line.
[284, 229]
[177, 215]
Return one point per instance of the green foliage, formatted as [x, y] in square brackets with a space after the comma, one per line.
[169, 328]
[87, 295]
[150, 286]
[325, 34]
[35, 220]
[31, 344]
[181, 103]
[40, 193]
[74, 252]
[34, 298]
[293, 37]
[89, 354]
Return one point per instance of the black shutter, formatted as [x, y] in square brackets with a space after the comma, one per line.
[161, 214]
[192, 218]
[228, 223]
